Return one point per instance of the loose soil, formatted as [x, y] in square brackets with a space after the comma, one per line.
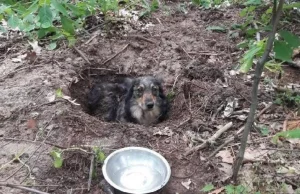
[195, 64]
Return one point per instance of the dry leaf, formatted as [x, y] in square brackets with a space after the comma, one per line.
[37, 49]
[50, 97]
[31, 124]
[217, 191]
[187, 184]
[68, 98]
[257, 154]
[226, 156]
[166, 131]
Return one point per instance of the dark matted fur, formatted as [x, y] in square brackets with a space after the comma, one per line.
[138, 100]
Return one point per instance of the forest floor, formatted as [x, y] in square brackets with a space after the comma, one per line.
[197, 66]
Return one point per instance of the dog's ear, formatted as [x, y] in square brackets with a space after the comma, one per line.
[159, 79]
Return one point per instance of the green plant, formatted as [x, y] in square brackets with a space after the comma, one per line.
[239, 189]
[53, 19]
[290, 134]
[149, 7]
[208, 188]
[57, 155]
[288, 99]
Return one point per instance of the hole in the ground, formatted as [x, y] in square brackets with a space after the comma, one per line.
[106, 98]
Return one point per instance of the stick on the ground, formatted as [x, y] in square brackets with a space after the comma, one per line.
[111, 58]
[211, 139]
[258, 71]
[22, 188]
[91, 172]
[82, 55]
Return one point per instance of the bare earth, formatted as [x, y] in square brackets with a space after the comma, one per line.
[195, 64]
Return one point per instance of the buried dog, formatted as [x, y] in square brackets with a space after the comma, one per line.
[138, 100]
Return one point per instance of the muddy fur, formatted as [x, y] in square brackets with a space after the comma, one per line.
[138, 100]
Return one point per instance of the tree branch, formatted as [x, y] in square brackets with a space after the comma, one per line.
[258, 71]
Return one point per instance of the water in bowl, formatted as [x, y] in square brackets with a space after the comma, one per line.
[138, 177]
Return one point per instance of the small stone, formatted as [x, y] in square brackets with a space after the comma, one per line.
[68, 60]
[167, 141]
[35, 170]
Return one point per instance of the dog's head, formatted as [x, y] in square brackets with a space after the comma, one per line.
[147, 91]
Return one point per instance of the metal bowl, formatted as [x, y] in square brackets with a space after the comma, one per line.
[136, 170]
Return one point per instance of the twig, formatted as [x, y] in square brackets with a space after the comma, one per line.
[105, 69]
[257, 33]
[221, 146]
[258, 71]
[186, 52]
[142, 38]
[211, 139]
[111, 58]
[25, 140]
[91, 172]
[217, 112]
[89, 40]
[22, 188]
[264, 110]
[174, 84]
[82, 55]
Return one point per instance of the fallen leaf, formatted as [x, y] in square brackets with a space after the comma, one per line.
[31, 124]
[187, 184]
[68, 98]
[226, 156]
[31, 56]
[165, 132]
[227, 169]
[217, 191]
[50, 97]
[257, 153]
[37, 49]
[19, 58]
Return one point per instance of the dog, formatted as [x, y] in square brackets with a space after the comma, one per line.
[138, 100]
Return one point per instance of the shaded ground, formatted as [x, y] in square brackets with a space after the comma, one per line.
[195, 64]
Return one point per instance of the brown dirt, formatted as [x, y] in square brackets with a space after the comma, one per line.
[199, 61]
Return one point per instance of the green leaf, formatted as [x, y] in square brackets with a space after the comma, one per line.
[154, 5]
[2, 29]
[45, 31]
[46, 16]
[32, 9]
[3, 8]
[290, 134]
[283, 51]
[247, 60]
[208, 188]
[44, 2]
[58, 160]
[14, 21]
[51, 46]
[264, 131]
[253, 2]
[100, 156]
[291, 6]
[59, 7]
[59, 93]
[273, 66]
[71, 40]
[216, 28]
[292, 40]
[67, 25]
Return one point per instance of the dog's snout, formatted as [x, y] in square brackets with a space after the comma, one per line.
[150, 105]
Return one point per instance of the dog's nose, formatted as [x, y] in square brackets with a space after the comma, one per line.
[150, 105]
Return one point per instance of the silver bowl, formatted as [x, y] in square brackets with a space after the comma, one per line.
[136, 170]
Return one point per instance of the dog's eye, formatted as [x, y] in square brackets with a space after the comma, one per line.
[140, 89]
[155, 89]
